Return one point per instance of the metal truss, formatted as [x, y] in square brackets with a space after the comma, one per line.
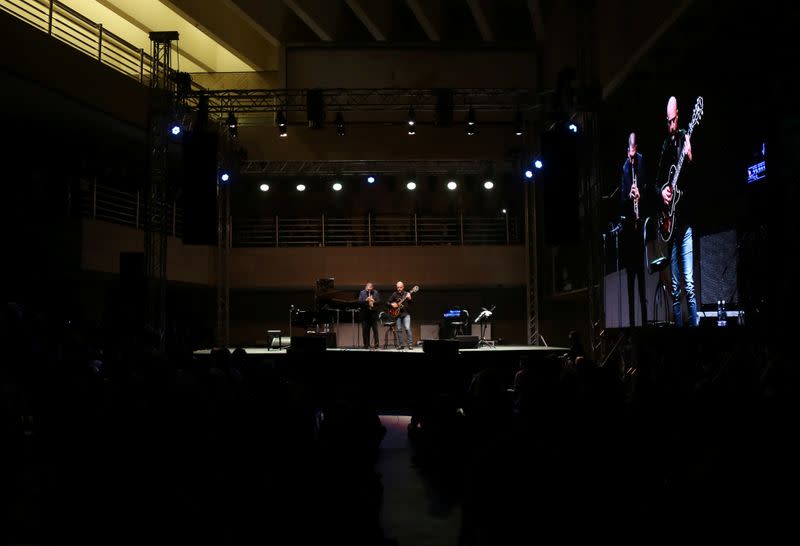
[353, 168]
[161, 106]
[376, 100]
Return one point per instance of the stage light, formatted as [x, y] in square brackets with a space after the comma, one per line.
[370, 179]
[572, 127]
[519, 124]
[225, 177]
[504, 211]
[538, 164]
[339, 124]
[411, 185]
[175, 129]
[280, 121]
[301, 187]
[337, 186]
[488, 184]
[529, 174]
[471, 116]
[452, 185]
[264, 187]
[412, 116]
[412, 130]
[232, 121]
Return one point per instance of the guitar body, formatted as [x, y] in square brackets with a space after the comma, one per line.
[394, 312]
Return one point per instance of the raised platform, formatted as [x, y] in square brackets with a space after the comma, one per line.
[392, 378]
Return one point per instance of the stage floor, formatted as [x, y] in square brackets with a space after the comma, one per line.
[263, 351]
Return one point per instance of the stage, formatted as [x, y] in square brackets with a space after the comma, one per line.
[391, 378]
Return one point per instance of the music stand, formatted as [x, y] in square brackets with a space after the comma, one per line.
[483, 320]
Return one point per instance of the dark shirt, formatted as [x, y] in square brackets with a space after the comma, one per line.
[362, 298]
[399, 295]
[670, 153]
[626, 203]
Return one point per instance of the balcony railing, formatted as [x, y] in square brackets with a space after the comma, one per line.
[74, 29]
[108, 204]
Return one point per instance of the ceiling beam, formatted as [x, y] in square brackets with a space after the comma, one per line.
[484, 18]
[375, 15]
[535, 7]
[270, 18]
[429, 14]
[321, 16]
[222, 20]
[652, 38]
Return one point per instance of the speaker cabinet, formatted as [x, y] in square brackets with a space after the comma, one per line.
[440, 347]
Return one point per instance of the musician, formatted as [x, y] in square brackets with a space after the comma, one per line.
[681, 247]
[369, 298]
[402, 299]
[632, 188]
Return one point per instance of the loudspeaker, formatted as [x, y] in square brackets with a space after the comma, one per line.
[132, 286]
[440, 347]
[718, 268]
[467, 342]
[311, 343]
[200, 188]
[558, 179]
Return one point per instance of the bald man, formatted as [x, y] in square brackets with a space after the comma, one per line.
[632, 187]
[681, 247]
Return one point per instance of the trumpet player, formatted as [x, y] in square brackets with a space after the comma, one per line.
[369, 298]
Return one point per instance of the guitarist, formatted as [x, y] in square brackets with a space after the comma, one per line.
[632, 188]
[680, 245]
[402, 299]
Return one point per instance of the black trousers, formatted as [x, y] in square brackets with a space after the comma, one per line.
[633, 261]
[636, 274]
[370, 323]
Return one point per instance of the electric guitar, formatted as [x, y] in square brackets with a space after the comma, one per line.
[395, 311]
[666, 218]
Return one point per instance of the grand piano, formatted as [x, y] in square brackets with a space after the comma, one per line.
[330, 306]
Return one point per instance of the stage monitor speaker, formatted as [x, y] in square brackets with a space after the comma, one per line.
[467, 342]
[440, 347]
[718, 268]
[311, 343]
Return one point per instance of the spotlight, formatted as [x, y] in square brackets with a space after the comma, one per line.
[411, 185]
[412, 130]
[529, 174]
[488, 184]
[572, 127]
[280, 121]
[225, 177]
[370, 179]
[538, 164]
[232, 121]
[504, 211]
[412, 116]
[175, 129]
[301, 187]
[452, 185]
[264, 187]
[339, 124]
[471, 116]
[519, 124]
[337, 186]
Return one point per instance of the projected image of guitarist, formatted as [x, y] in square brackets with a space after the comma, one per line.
[675, 226]
[400, 307]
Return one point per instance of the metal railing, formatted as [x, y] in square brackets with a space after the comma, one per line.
[101, 202]
[74, 29]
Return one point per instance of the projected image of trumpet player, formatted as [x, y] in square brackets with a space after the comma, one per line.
[369, 299]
